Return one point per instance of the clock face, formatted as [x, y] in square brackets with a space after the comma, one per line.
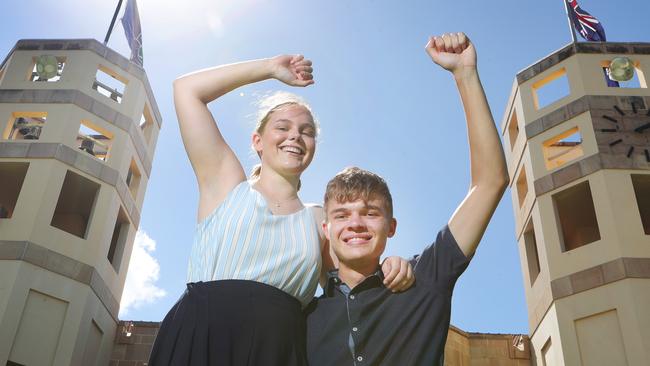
[625, 130]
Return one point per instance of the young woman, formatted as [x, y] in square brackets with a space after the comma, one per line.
[256, 258]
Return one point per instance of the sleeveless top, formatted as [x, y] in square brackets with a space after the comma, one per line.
[242, 239]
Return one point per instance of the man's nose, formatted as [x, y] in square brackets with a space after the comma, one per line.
[355, 222]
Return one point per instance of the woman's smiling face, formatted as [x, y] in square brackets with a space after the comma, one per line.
[288, 140]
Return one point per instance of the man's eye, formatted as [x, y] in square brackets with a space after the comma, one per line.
[309, 133]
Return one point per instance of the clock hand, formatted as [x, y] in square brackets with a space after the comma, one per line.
[642, 127]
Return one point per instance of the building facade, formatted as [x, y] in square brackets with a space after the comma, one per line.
[578, 152]
[79, 125]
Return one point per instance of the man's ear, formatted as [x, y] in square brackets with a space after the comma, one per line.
[393, 227]
[325, 228]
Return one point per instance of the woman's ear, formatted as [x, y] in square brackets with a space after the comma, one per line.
[257, 143]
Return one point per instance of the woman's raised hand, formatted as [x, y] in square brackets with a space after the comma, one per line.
[294, 70]
[454, 52]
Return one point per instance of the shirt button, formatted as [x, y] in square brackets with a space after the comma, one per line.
[351, 297]
[359, 358]
[354, 329]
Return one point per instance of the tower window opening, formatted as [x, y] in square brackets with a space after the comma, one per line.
[75, 205]
[109, 84]
[94, 140]
[550, 89]
[513, 129]
[641, 184]
[547, 355]
[12, 176]
[522, 187]
[118, 240]
[576, 216]
[146, 123]
[562, 148]
[637, 81]
[532, 253]
[47, 68]
[133, 179]
[25, 126]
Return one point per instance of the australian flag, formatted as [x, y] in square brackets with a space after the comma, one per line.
[133, 30]
[590, 29]
[587, 25]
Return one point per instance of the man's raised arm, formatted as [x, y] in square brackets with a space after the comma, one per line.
[489, 176]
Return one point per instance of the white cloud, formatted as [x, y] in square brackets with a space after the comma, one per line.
[140, 287]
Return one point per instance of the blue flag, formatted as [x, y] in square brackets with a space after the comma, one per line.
[133, 31]
[587, 25]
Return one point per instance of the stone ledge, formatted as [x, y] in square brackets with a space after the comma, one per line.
[60, 264]
[85, 102]
[626, 48]
[582, 168]
[600, 275]
[78, 160]
[586, 103]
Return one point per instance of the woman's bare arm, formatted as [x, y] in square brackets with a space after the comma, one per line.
[216, 167]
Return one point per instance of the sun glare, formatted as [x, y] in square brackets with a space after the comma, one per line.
[173, 19]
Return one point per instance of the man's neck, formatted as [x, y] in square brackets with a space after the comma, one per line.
[354, 275]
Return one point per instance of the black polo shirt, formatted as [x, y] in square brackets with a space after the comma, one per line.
[370, 325]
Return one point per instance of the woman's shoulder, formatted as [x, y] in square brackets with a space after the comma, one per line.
[316, 208]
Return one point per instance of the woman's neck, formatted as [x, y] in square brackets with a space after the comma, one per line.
[280, 192]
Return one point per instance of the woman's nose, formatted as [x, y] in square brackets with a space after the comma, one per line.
[294, 134]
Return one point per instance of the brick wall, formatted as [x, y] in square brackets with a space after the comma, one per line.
[133, 343]
[134, 340]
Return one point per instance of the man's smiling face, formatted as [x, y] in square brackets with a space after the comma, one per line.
[358, 230]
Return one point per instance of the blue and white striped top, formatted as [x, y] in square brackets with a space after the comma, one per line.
[242, 239]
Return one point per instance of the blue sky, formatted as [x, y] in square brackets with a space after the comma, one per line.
[383, 105]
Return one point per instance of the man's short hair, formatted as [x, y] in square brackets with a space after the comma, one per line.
[353, 184]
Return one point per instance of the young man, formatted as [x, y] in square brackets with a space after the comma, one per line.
[358, 321]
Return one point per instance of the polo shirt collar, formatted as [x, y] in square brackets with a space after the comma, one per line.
[333, 280]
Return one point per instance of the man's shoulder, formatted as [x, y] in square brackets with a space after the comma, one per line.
[316, 305]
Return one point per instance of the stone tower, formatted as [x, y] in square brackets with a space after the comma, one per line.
[76, 148]
[578, 152]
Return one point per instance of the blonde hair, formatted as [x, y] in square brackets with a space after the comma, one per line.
[273, 103]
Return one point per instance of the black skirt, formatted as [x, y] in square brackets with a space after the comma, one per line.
[232, 323]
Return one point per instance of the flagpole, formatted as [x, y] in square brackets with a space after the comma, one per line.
[573, 30]
[110, 28]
